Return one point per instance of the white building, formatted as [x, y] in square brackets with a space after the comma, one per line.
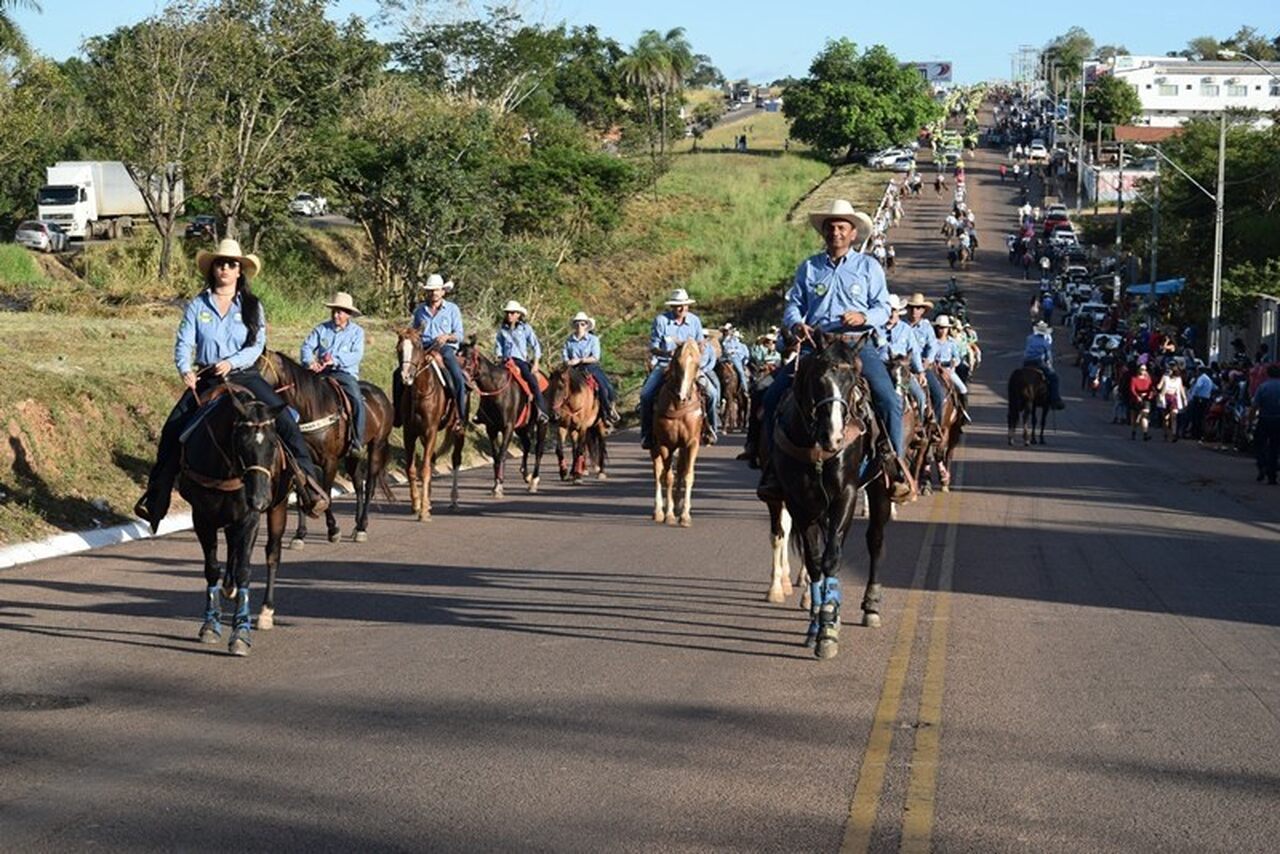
[1175, 89]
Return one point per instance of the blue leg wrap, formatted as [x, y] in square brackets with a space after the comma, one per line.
[829, 615]
[242, 609]
[212, 605]
[815, 606]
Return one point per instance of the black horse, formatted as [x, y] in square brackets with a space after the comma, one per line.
[233, 470]
[823, 451]
[506, 412]
[1028, 394]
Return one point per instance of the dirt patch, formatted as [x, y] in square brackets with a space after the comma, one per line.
[55, 270]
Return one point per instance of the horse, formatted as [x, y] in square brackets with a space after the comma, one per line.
[823, 451]
[950, 428]
[1028, 392]
[233, 470]
[325, 428]
[920, 437]
[428, 407]
[678, 420]
[732, 396]
[507, 411]
[575, 402]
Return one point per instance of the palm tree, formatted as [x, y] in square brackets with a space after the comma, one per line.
[677, 63]
[645, 68]
[12, 41]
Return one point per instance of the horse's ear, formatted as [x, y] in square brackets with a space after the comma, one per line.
[240, 408]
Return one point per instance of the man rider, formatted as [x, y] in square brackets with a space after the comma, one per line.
[335, 348]
[673, 326]
[927, 341]
[839, 290]
[1038, 353]
[735, 353]
[900, 340]
[440, 322]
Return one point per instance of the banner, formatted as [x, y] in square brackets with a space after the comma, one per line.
[933, 72]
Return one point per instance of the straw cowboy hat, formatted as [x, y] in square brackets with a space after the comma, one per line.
[896, 303]
[918, 301]
[343, 300]
[583, 317]
[512, 305]
[1041, 326]
[842, 209]
[250, 266]
[436, 282]
[680, 297]
[942, 322]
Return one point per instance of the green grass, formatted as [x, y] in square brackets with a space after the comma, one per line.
[765, 132]
[18, 269]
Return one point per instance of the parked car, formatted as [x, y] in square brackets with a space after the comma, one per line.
[1063, 235]
[1056, 210]
[1076, 273]
[905, 163]
[203, 227]
[882, 158]
[42, 235]
[1037, 153]
[1088, 313]
[306, 204]
[1054, 221]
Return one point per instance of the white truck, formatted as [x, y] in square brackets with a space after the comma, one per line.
[95, 198]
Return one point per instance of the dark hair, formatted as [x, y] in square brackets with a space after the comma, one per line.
[250, 305]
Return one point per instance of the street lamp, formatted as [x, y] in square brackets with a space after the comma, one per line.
[1232, 54]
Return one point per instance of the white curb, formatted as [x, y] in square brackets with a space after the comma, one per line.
[60, 545]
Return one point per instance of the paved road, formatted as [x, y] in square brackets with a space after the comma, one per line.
[1079, 652]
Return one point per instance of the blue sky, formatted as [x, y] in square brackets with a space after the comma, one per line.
[764, 41]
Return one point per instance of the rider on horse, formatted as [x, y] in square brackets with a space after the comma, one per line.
[582, 349]
[765, 357]
[674, 325]
[735, 353]
[226, 330]
[899, 341]
[710, 384]
[839, 290]
[516, 341]
[927, 340]
[440, 323]
[948, 356]
[1038, 353]
[334, 348]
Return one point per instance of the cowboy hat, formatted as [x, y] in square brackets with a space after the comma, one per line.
[436, 282]
[841, 209]
[512, 305]
[680, 297]
[1041, 326]
[250, 266]
[942, 321]
[583, 317]
[727, 327]
[342, 300]
[918, 301]
[896, 303]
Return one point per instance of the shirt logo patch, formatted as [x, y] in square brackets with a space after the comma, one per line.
[239, 319]
[206, 317]
[821, 289]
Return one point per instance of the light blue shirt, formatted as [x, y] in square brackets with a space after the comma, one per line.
[215, 338]
[926, 340]
[735, 351]
[824, 290]
[666, 334]
[447, 320]
[949, 353]
[1039, 349]
[707, 361]
[346, 346]
[1202, 387]
[517, 342]
[899, 340]
[586, 347]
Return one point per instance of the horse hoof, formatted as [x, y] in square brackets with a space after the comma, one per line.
[533, 485]
[526, 477]
[946, 487]
[604, 476]
[577, 480]
[239, 645]
[267, 618]
[424, 517]
[787, 589]
[229, 592]
[827, 648]
[210, 632]
[335, 536]
[296, 544]
[497, 492]
[360, 537]
[775, 595]
[686, 522]
[871, 619]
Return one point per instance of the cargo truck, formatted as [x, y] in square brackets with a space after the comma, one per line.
[96, 198]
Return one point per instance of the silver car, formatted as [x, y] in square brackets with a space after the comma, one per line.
[41, 234]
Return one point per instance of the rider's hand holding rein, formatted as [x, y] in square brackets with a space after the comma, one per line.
[221, 369]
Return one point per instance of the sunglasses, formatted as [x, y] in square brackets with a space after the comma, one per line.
[226, 262]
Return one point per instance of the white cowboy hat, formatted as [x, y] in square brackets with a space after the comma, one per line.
[250, 266]
[512, 305]
[1041, 326]
[583, 317]
[680, 297]
[918, 301]
[343, 300]
[896, 303]
[436, 282]
[942, 321]
[727, 327]
[842, 209]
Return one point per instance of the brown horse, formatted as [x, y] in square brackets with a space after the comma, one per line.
[677, 434]
[918, 435]
[428, 408]
[506, 411]
[325, 428]
[733, 397]
[951, 427]
[1028, 394]
[578, 421]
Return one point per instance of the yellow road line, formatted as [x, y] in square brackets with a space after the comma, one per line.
[917, 823]
[866, 793]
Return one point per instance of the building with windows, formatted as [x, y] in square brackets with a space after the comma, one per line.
[1175, 89]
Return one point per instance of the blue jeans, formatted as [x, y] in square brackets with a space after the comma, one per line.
[937, 393]
[648, 392]
[918, 393]
[351, 386]
[709, 381]
[884, 398]
[607, 394]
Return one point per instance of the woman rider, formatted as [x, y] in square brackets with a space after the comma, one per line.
[582, 348]
[227, 330]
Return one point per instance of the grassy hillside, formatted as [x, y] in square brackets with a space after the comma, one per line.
[86, 375]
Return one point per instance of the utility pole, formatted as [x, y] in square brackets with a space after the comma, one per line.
[1215, 310]
[1155, 236]
[1097, 170]
[1119, 199]
[1080, 148]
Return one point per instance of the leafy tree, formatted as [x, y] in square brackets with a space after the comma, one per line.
[1069, 50]
[40, 116]
[1111, 101]
[586, 80]
[704, 73]
[12, 40]
[851, 102]
[1202, 47]
[1110, 51]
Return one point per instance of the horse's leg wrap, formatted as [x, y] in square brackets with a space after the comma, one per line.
[815, 608]
[211, 628]
[243, 615]
[829, 613]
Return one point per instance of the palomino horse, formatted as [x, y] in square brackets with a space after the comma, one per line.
[577, 407]
[506, 411]
[325, 425]
[233, 470]
[822, 442]
[428, 408]
[677, 434]
[1028, 393]
[733, 397]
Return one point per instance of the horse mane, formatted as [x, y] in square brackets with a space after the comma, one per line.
[310, 389]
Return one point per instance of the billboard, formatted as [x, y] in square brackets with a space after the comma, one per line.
[933, 72]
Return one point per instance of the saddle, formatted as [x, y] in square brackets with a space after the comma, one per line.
[527, 407]
[346, 410]
[212, 398]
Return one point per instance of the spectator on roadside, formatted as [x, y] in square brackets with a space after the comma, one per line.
[1266, 404]
[1199, 396]
[1140, 393]
[1173, 398]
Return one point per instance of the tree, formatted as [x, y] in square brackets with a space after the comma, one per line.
[1068, 51]
[643, 69]
[1249, 41]
[12, 40]
[1111, 101]
[704, 74]
[40, 117]
[1202, 47]
[1111, 51]
[851, 102]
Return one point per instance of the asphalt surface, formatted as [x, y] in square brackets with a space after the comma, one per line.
[1079, 653]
